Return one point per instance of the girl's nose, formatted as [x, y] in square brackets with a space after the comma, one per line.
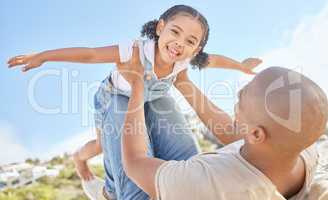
[178, 44]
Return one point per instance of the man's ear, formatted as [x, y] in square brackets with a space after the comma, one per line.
[257, 135]
[160, 27]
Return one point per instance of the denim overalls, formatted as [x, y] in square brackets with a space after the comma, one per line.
[162, 117]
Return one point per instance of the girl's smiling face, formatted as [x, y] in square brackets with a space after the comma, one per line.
[179, 38]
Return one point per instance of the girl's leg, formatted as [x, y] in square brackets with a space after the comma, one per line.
[171, 135]
[86, 152]
[91, 148]
[171, 139]
[116, 178]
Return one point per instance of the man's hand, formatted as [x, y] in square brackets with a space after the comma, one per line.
[139, 167]
[249, 64]
[134, 68]
[30, 61]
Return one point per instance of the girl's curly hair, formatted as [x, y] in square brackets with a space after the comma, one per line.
[149, 30]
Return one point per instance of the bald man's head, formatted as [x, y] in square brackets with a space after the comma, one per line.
[290, 108]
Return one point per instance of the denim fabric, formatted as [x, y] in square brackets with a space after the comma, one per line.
[168, 134]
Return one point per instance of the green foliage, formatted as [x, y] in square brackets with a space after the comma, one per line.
[57, 161]
[98, 170]
[68, 173]
[33, 192]
[206, 146]
[67, 185]
[80, 197]
[32, 161]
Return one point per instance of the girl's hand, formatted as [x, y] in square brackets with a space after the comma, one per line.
[249, 64]
[30, 61]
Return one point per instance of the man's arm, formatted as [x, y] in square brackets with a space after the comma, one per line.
[215, 119]
[140, 168]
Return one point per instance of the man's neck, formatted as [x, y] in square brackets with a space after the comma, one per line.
[285, 170]
[265, 159]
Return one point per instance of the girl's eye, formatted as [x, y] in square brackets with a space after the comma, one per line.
[191, 42]
[174, 32]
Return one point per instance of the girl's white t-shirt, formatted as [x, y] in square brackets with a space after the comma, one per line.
[148, 52]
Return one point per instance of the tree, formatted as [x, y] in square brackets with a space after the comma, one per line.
[57, 160]
[31, 161]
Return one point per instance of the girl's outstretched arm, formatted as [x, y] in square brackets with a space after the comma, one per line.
[246, 66]
[108, 54]
[214, 118]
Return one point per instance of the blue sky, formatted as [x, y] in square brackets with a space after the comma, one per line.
[238, 29]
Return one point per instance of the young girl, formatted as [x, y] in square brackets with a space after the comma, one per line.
[171, 43]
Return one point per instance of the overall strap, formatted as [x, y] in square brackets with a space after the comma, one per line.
[147, 64]
[148, 70]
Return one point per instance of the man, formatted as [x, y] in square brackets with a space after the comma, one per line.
[275, 158]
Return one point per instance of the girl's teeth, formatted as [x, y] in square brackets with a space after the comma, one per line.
[172, 55]
[172, 52]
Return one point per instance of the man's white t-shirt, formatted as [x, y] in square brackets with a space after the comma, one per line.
[223, 175]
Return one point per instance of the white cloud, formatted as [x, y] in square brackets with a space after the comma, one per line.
[306, 49]
[11, 149]
[71, 144]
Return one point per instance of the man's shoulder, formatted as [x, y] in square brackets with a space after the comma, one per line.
[216, 159]
[224, 169]
[311, 156]
[210, 176]
[232, 148]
